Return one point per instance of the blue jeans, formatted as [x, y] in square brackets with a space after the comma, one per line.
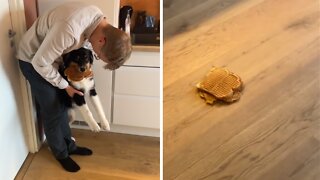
[53, 112]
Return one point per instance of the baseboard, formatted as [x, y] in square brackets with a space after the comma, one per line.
[122, 129]
[24, 168]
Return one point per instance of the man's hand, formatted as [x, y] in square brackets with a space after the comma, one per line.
[71, 91]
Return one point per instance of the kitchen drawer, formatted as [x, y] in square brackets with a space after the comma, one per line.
[137, 111]
[137, 81]
[145, 59]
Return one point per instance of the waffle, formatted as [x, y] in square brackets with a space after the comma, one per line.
[210, 99]
[220, 84]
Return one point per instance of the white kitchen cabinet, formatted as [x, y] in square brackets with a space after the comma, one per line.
[137, 111]
[137, 81]
[137, 92]
[144, 59]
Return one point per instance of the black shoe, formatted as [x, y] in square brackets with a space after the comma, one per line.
[69, 165]
[83, 151]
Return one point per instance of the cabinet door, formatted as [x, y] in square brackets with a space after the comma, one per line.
[137, 111]
[145, 59]
[137, 81]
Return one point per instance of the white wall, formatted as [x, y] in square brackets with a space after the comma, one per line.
[13, 144]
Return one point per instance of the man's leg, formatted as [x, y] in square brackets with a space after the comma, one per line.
[54, 114]
[72, 148]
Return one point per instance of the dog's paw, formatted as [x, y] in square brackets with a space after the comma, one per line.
[94, 127]
[105, 125]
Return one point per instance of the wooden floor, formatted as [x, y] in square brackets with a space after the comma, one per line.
[273, 131]
[115, 156]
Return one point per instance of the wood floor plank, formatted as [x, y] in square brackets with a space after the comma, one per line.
[115, 156]
[275, 47]
[222, 123]
[261, 143]
[181, 16]
[211, 40]
[246, 66]
[302, 161]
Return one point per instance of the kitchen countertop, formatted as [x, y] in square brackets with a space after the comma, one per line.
[146, 48]
[272, 132]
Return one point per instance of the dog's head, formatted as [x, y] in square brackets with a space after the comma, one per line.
[81, 58]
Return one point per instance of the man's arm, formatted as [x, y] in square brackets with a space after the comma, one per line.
[56, 41]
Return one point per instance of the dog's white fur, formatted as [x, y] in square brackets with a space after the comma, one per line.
[87, 84]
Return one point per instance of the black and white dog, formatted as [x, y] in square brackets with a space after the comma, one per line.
[77, 71]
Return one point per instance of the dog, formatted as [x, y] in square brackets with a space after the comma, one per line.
[76, 69]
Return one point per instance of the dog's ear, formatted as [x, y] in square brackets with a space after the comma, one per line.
[67, 59]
